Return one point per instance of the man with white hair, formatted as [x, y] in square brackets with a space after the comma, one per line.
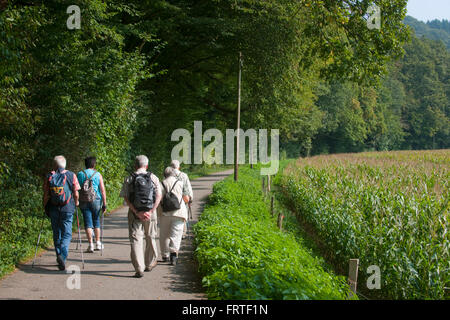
[188, 195]
[60, 201]
[142, 193]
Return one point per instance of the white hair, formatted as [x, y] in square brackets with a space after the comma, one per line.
[141, 161]
[59, 162]
[175, 164]
[168, 172]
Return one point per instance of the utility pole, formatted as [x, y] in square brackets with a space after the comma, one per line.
[238, 124]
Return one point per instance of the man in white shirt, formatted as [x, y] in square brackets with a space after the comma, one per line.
[142, 221]
[187, 188]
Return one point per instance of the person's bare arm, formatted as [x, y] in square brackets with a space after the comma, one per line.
[157, 201]
[147, 215]
[76, 187]
[125, 194]
[159, 190]
[76, 198]
[189, 187]
[103, 190]
[130, 205]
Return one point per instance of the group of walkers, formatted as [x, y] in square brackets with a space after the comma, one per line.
[151, 202]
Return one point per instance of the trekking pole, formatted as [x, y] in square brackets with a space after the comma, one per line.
[101, 233]
[190, 219]
[79, 238]
[38, 240]
[188, 227]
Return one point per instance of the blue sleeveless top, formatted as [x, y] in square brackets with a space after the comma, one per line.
[95, 180]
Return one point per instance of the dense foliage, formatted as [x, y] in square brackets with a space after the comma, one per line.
[137, 70]
[434, 30]
[62, 92]
[387, 209]
[410, 109]
[243, 255]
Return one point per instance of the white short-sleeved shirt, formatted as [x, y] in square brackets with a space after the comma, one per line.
[187, 188]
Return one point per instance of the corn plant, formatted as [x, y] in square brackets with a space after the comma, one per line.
[388, 209]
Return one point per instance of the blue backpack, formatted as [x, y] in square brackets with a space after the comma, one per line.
[60, 192]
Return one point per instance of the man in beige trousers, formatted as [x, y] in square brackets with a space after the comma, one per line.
[142, 193]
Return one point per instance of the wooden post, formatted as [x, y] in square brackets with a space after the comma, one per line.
[353, 276]
[280, 221]
[268, 183]
[238, 122]
[271, 206]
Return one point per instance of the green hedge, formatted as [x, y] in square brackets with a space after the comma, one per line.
[243, 255]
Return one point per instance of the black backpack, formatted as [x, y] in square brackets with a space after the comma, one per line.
[142, 191]
[170, 200]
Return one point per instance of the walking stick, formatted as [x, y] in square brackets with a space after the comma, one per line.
[38, 240]
[189, 219]
[79, 238]
[187, 226]
[101, 233]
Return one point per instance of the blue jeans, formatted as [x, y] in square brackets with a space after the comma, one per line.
[62, 231]
[91, 213]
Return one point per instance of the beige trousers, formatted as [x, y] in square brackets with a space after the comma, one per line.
[137, 232]
[171, 232]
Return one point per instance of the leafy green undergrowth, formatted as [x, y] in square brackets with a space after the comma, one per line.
[243, 255]
[20, 221]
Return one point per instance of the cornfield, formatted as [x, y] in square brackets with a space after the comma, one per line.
[389, 209]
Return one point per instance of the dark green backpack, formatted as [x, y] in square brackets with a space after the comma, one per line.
[170, 200]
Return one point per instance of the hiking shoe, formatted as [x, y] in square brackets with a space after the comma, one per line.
[61, 264]
[138, 274]
[90, 248]
[173, 258]
[99, 246]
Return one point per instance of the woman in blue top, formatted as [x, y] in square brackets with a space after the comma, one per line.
[91, 210]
